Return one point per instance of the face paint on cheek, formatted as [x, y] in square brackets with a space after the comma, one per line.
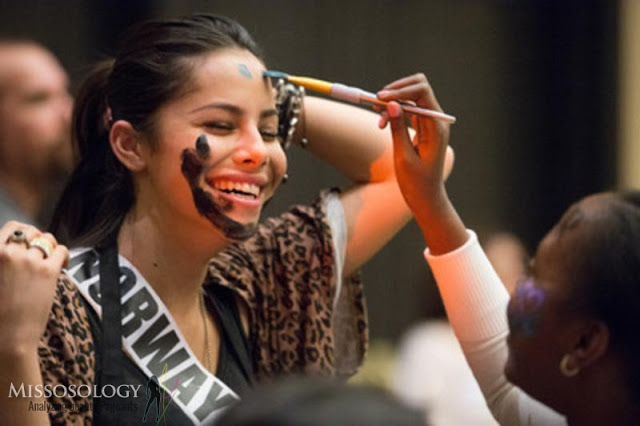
[524, 308]
[244, 70]
[213, 210]
[202, 147]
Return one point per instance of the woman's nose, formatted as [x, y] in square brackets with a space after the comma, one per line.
[252, 150]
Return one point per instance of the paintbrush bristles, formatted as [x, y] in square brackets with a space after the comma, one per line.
[275, 74]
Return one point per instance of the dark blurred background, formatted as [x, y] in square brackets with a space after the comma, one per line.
[533, 84]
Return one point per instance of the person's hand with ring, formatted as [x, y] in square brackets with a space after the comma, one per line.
[30, 264]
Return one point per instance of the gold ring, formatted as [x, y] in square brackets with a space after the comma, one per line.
[17, 236]
[42, 244]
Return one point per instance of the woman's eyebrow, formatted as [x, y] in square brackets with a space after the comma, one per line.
[233, 109]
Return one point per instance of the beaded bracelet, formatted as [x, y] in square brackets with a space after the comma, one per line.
[290, 106]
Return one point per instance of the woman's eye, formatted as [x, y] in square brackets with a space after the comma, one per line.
[219, 125]
[268, 136]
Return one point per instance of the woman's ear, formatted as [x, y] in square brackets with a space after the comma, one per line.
[592, 344]
[126, 145]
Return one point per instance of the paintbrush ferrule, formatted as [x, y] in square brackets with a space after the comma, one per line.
[346, 93]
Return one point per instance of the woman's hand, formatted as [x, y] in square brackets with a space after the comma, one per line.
[30, 264]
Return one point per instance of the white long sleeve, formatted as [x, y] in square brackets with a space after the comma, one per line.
[476, 303]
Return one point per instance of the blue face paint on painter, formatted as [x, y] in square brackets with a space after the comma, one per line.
[245, 71]
[524, 308]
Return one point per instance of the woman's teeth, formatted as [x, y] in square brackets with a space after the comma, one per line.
[247, 189]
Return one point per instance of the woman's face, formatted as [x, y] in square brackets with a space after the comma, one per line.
[543, 319]
[216, 156]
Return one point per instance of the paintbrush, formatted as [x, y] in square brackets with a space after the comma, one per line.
[353, 94]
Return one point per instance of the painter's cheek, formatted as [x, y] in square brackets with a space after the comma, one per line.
[524, 309]
[520, 324]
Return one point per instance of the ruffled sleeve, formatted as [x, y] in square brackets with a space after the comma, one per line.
[304, 319]
[67, 358]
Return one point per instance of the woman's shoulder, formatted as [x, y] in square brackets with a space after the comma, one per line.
[303, 218]
[68, 332]
[281, 247]
[66, 351]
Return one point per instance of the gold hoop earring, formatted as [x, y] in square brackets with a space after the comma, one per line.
[565, 369]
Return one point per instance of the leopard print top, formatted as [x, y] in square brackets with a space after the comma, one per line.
[286, 276]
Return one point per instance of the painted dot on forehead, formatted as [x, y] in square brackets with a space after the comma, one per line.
[244, 70]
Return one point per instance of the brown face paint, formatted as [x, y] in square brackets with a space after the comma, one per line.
[202, 147]
[212, 209]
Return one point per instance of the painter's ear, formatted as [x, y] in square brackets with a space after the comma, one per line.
[126, 145]
[592, 345]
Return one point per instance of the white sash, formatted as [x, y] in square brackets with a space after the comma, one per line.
[152, 340]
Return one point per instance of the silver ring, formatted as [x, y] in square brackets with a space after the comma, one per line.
[17, 236]
[42, 244]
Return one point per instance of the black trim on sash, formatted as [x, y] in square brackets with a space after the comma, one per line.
[111, 357]
[224, 305]
[111, 317]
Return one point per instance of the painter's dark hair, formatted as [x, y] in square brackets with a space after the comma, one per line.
[152, 67]
[320, 402]
[606, 273]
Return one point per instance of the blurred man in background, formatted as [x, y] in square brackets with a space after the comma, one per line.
[35, 142]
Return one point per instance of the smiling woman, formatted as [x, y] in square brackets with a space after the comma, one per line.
[171, 273]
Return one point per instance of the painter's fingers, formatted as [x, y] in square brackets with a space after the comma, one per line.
[420, 93]
[384, 119]
[405, 81]
[403, 149]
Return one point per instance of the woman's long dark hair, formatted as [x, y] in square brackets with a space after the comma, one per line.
[153, 66]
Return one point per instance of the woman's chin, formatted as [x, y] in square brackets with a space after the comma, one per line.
[245, 218]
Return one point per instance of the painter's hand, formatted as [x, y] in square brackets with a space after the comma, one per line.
[421, 163]
[30, 264]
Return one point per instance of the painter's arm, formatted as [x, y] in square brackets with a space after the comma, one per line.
[474, 297]
[348, 138]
